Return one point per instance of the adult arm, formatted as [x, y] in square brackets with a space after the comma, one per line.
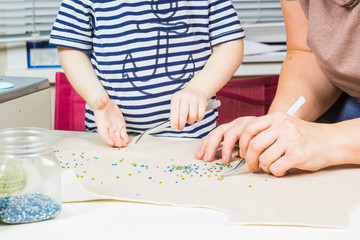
[278, 142]
[300, 73]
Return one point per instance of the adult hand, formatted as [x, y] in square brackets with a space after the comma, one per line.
[187, 106]
[110, 123]
[276, 142]
[229, 134]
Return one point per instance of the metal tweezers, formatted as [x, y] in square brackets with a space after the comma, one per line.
[212, 105]
[242, 162]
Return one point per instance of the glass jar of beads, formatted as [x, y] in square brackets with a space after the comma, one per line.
[29, 176]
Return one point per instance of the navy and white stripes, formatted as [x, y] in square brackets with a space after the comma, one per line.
[143, 51]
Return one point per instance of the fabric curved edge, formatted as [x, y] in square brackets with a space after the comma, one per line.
[74, 191]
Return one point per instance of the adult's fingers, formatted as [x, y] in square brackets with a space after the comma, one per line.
[272, 154]
[280, 167]
[251, 129]
[210, 143]
[230, 138]
[258, 145]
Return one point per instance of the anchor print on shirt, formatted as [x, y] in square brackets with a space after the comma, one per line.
[165, 28]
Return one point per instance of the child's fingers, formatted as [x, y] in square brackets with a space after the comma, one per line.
[105, 135]
[118, 133]
[174, 113]
[201, 110]
[124, 135]
[118, 141]
[183, 114]
[193, 113]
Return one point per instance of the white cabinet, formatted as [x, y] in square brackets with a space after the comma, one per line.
[27, 104]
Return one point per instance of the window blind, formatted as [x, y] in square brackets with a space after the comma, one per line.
[259, 11]
[31, 20]
[25, 20]
[262, 20]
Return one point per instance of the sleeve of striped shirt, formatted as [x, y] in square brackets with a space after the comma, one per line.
[72, 27]
[224, 24]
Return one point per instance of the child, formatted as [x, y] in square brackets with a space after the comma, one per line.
[149, 60]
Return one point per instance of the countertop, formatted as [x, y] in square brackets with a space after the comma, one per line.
[22, 86]
[124, 220]
[130, 220]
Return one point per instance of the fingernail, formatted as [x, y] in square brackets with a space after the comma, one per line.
[224, 159]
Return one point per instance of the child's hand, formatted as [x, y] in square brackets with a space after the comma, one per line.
[187, 106]
[110, 123]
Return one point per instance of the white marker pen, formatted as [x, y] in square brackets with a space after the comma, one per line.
[293, 108]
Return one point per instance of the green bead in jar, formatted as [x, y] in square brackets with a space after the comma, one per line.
[12, 177]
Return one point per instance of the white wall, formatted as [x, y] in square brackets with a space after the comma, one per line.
[13, 59]
[16, 63]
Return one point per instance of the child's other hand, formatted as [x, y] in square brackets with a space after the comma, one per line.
[187, 106]
[110, 123]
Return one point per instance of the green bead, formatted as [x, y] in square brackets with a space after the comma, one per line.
[12, 177]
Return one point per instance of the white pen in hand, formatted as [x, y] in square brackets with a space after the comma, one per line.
[295, 106]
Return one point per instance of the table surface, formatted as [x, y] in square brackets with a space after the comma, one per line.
[126, 220]
[22, 86]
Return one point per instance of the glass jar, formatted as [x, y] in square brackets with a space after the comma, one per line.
[29, 176]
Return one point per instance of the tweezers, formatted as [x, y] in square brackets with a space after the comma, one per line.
[242, 162]
[212, 105]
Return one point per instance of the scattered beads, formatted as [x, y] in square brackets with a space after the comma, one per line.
[181, 172]
[194, 169]
[28, 208]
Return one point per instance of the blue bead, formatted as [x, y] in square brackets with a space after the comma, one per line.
[28, 208]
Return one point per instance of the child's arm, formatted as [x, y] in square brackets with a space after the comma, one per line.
[188, 105]
[108, 117]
